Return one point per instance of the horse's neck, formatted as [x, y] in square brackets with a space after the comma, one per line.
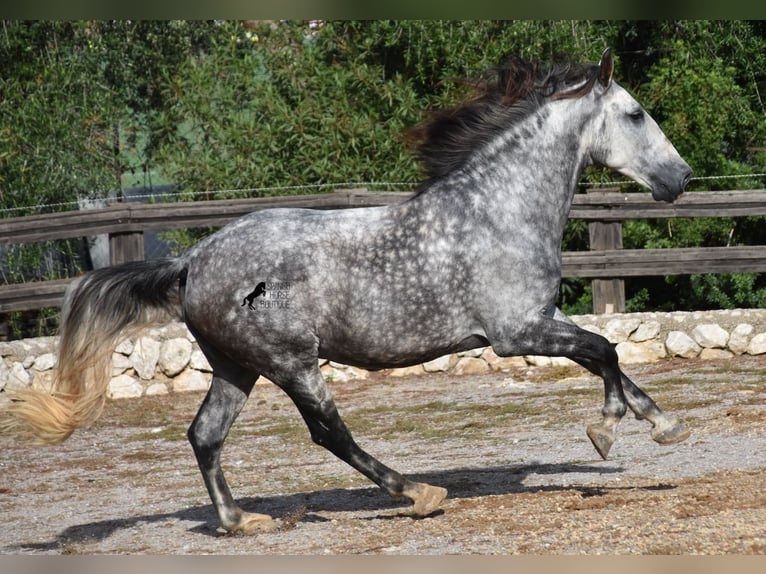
[545, 155]
[526, 177]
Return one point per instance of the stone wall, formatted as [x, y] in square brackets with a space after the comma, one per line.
[167, 359]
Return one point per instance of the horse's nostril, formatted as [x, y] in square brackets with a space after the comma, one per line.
[687, 178]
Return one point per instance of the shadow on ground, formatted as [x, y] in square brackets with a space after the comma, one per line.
[304, 506]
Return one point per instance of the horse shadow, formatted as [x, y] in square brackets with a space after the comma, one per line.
[306, 506]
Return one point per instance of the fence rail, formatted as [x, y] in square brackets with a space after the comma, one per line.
[606, 263]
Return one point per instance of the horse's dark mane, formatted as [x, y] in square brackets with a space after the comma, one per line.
[506, 95]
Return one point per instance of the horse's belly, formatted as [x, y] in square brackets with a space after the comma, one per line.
[375, 358]
[396, 341]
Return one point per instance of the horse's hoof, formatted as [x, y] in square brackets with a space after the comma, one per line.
[601, 437]
[425, 498]
[671, 432]
[252, 523]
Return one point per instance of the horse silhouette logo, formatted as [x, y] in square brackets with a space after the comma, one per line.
[259, 291]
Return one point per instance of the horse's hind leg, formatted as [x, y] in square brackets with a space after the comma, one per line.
[228, 393]
[666, 429]
[310, 394]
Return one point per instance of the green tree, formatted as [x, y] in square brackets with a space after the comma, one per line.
[703, 81]
[88, 106]
[70, 92]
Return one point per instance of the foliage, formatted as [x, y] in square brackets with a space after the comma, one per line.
[703, 82]
[89, 107]
[274, 112]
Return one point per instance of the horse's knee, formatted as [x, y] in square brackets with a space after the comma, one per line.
[604, 351]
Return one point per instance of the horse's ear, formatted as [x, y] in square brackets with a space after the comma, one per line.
[606, 68]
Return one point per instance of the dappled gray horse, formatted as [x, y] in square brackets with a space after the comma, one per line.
[473, 259]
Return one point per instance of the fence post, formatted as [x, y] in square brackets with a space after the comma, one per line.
[125, 247]
[608, 294]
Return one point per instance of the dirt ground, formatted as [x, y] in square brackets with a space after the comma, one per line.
[510, 448]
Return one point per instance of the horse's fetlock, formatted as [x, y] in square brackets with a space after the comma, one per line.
[614, 410]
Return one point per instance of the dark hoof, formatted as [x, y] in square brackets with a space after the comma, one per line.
[602, 439]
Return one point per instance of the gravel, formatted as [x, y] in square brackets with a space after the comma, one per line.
[510, 448]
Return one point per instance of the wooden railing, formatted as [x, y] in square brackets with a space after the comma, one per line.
[606, 263]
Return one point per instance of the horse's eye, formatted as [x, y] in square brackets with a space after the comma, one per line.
[636, 116]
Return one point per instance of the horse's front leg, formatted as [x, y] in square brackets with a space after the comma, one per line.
[666, 429]
[555, 338]
[602, 433]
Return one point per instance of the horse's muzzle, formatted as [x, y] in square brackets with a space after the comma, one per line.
[672, 190]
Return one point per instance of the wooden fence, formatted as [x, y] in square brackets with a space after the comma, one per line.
[606, 263]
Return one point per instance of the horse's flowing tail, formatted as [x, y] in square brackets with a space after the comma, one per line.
[99, 310]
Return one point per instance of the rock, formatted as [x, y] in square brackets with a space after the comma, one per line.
[124, 387]
[120, 364]
[757, 345]
[357, 374]
[334, 374]
[593, 328]
[679, 344]
[125, 347]
[198, 362]
[144, 358]
[16, 350]
[503, 364]
[18, 377]
[710, 336]
[562, 362]
[713, 354]
[25, 351]
[646, 331]
[4, 374]
[170, 331]
[342, 373]
[631, 353]
[618, 330]
[740, 338]
[191, 381]
[537, 360]
[473, 353]
[45, 362]
[174, 355]
[545, 361]
[407, 371]
[470, 366]
[156, 389]
[441, 364]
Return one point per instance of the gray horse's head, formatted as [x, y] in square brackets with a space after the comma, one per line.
[629, 141]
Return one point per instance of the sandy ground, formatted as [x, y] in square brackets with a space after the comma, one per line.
[510, 448]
